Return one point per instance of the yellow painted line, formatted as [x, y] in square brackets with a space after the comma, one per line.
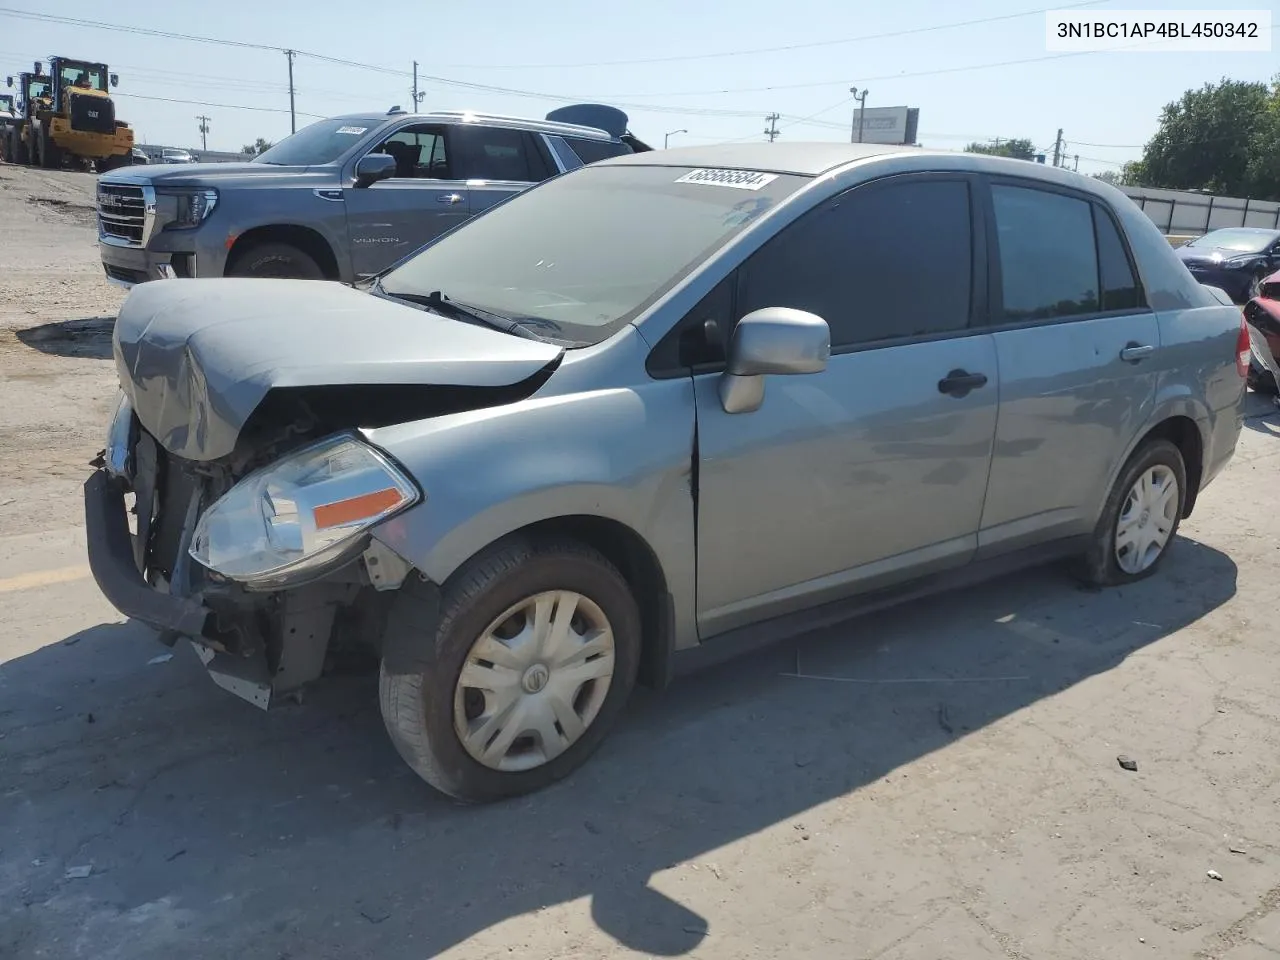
[43, 578]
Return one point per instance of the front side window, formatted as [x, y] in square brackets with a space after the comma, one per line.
[321, 142]
[880, 262]
[583, 254]
[419, 152]
[1048, 258]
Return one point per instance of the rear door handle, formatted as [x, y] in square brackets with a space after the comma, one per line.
[449, 198]
[1136, 351]
[959, 383]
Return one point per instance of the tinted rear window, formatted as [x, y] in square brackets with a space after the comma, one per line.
[589, 151]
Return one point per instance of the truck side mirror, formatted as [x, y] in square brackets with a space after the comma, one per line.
[115, 79]
[8, 81]
[374, 167]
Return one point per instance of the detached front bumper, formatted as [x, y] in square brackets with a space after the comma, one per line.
[111, 559]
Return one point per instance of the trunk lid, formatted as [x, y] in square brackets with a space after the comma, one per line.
[197, 357]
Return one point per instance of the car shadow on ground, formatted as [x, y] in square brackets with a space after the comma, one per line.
[1262, 413]
[300, 832]
[89, 337]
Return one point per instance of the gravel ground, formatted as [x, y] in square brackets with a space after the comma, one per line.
[940, 782]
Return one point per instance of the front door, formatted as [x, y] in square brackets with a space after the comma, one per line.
[874, 470]
[391, 219]
[1079, 352]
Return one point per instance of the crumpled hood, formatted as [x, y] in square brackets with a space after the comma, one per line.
[196, 357]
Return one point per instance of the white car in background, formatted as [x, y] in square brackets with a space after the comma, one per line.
[175, 155]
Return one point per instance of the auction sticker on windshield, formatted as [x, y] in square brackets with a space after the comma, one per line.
[738, 179]
[353, 131]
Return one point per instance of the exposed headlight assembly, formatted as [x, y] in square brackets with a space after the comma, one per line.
[193, 206]
[118, 458]
[1242, 261]
[287, 521]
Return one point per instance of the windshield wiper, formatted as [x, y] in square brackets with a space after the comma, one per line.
[441, 303]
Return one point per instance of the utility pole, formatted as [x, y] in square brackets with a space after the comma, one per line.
[1057, 149]
[855, 135]
[204, 131]
[771, 131]
[293, 116]
[417, 94]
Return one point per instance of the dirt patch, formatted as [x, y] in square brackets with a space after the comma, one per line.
[65, 211]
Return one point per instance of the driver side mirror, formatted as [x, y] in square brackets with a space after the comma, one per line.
[774, 340]
[8, 81]
[115, 79]
[374, 167]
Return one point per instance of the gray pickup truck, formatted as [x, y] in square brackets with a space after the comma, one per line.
[341, 199]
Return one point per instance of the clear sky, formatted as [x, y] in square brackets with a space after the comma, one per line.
[696, 77]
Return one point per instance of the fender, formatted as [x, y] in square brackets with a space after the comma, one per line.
[623, 454]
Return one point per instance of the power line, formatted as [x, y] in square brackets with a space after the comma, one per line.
[206, 103]
[752, 51]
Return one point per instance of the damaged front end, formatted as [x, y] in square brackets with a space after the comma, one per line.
[262, 565]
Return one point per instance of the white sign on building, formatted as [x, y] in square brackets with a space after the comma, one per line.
[885, 124]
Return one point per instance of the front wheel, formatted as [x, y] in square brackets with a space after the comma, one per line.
[533, 657]
[275, 260]
[1140, 518]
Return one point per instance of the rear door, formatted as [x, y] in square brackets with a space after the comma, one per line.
[1078, 351]
[874, 470]
[390, 219]
[497, 163]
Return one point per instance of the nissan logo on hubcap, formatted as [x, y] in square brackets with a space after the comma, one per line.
[535, 678]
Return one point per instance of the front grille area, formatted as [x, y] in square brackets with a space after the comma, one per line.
[92, 114]
[122, 213]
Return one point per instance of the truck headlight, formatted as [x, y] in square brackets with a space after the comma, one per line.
[288, 520]
[193, 207]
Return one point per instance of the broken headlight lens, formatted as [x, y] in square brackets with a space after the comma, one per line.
[290, 519]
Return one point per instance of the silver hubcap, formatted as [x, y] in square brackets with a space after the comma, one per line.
[534, 681]
[1147, 519]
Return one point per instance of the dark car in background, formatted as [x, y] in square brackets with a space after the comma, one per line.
[1234, 259]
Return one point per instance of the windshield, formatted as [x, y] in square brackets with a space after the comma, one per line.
[83, 75]
[585, 253]
[322, 142]
[1239, 240]
[37, 89]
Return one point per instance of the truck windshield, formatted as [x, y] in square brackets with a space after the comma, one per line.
[585, 253]
[321, 142]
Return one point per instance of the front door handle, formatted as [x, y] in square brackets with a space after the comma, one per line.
[449, 198]
[1134, 352]
[959, 383]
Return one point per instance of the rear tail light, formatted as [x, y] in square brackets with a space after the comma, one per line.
[1243, 350]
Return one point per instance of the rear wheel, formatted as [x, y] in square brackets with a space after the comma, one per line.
[1140, 519]
[276, 260]
[533, 657]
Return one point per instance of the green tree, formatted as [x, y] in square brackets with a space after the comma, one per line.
[1216, 139]
[257, 147]
[1019, 149]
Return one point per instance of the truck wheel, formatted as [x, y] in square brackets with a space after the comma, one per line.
[278, 260]
[50, 155]
[533, 657]
[1140, 518]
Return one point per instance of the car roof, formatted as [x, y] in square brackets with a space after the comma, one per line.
[528, 124]
[805, 159]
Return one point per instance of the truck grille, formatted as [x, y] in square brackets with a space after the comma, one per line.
[92, 114]
[122, 214]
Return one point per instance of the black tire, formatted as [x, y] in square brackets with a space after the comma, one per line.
[20, 153]
[1262, 381]
[281, 261]
[50, 155]
[1099, 566]
[418, 708]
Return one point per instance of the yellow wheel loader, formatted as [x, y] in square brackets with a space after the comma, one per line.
[70, 116]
